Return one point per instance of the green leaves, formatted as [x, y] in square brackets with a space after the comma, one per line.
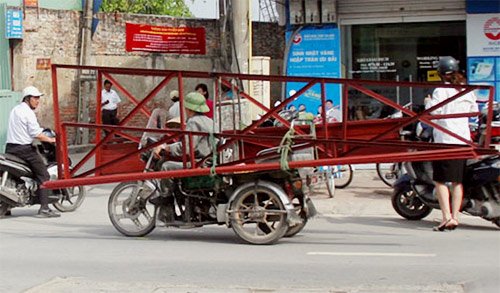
[158, 7]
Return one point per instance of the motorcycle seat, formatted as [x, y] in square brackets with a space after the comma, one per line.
[13, 158]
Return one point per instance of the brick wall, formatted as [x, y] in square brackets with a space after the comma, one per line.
[55, 34]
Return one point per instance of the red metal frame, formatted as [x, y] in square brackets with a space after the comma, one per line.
[346, 142]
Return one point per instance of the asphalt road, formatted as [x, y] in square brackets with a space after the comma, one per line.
[357, 244]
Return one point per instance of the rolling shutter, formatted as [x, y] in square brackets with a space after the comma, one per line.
[396, 11]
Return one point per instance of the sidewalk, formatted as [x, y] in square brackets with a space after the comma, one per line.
[367, 195]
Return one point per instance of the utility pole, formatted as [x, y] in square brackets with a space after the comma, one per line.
[242, 29]
[82, 134]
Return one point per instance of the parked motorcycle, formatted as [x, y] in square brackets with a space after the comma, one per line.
[414, 196]
[495, 126]
[261, 207]
[18, 186]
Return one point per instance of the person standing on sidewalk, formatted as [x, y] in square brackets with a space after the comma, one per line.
[109, 104]
[450, 171]
[23, 127]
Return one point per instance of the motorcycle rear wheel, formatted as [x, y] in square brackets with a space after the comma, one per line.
[258, 215]
[72, 200]
[130, 212]
[407, 204]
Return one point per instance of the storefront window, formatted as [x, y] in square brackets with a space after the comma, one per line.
[404, 52]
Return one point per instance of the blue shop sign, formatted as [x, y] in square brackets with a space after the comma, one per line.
[14, 24]
[482, 6]
[314, 52]
[484, 71]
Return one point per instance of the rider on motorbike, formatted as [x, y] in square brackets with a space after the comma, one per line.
[196, 107]
[22, 129]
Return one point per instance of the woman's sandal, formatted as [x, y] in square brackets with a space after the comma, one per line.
[443, 226]
[452, 224]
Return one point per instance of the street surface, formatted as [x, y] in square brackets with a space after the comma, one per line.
[356, 244]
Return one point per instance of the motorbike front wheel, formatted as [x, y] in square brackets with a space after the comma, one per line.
[496, 221]
[4, 209]
[70, 198]
[258, 216]
[407, 204]
[129, 210]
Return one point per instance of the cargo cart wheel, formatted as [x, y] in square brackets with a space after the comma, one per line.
[258, 215]
[129, 210]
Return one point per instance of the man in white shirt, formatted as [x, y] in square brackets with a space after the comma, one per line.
[109, 104]
[333, 114]
[22, 129]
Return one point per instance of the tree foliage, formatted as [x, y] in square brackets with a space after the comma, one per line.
[159, 7]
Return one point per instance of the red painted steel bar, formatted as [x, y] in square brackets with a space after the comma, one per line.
[60, 146]
[126, 93]
[247, 135]
[451, 153]
[412, 114]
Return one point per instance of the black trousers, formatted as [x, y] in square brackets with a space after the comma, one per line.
[37, 166]
[110, 117]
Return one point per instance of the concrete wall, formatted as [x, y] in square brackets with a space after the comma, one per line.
[55, 34]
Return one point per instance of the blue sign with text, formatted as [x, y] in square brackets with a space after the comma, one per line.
[14, 24]
[484, 71]
[314, 52]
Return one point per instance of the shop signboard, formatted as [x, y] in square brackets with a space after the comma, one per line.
[43, 63]
[483, 51]
[314, 52]
[14, 23]
[483, 34]
[178, 40]
[31, 3]
[484, 71]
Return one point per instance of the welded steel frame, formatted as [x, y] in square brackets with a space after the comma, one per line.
[420, 151]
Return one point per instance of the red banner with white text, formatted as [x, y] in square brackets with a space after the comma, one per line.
[179, 40]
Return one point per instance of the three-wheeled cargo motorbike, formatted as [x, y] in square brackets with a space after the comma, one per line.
[261, 207]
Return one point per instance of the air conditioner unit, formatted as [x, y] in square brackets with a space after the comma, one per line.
[328, 11]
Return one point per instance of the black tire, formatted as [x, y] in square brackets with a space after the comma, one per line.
[407, 204]
[4, 209]
[496, 221]
[128, 211]
[258, 215]
[343, 175]
[389, 175]
[298, 204]
[70, 199]
[294, 230]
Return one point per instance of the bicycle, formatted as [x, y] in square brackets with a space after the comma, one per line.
[389, 173]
